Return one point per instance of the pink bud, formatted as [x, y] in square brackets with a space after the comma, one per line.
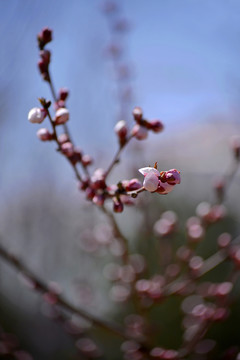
[37, 115]
[121, 129]
[140, 132]
[156, 126]
[137, 113]
[109, 6]
[98, 179]
[86, 160]
[90, 193]
[133, 184]
[62, 138]
[117, 206]
[172, 177]
[44, 135]
[98, 199]
[63, 94]
[67, 149]
[235, 144]
[61, 116]
[44, 37]
[45, 56]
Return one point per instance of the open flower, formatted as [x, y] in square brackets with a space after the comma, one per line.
[162, 183]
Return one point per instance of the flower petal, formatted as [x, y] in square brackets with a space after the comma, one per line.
[148, 170]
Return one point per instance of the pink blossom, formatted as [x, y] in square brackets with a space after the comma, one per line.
[162, 183]
[140, 132]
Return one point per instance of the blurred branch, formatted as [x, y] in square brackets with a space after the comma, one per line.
[43, 288]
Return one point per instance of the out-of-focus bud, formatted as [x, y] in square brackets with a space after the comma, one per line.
[195, 264]
[121, 25]
[121, 131]
[140, 132]
[45, 56]
[88, 347]
[98, 199]
[115, 50]
[37, 115]
[219, 187]
[166, 224]
[98, 179]
[62, 138]
[67, 149]
[90, 193]
[44, 135]
[133, 184]
[63, 94]
[156, 126]
[235, 144]
[195, 233]
[203, 210]
[109, 6]
[44, 37]
[224, 240]
[137, 113]
[61, 116]
[117, 206]
[86, 160]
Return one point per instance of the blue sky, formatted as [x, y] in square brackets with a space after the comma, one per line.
[184, 55]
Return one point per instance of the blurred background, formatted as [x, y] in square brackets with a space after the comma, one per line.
[179, 61]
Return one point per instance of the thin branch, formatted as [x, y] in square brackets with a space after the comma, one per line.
[116, 157]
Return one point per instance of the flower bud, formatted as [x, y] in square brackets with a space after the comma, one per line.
[63, 94]
[140, 132]
[172, 176]
[235, 144]
[45, 56]
[86, 160]
[121, 129]
[137, 113]
[98, 199]
[37, 115]
[62, 138]
[133, 184]
[44, 135]
[117, 206]
[98, 179]
[61, 116]
[67, 149]
[156, 126]
[44, 37]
